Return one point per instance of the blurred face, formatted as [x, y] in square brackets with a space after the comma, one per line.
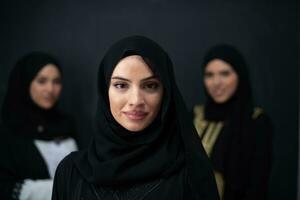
[46, 87]
[135, 94]
[220, 80]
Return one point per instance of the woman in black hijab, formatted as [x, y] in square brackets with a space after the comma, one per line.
[35, 134]
[235, 134]
[145, 147]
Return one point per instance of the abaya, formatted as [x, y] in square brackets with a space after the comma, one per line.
[236, 134]
[28, 132]
[164, 161]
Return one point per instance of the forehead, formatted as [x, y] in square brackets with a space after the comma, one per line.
[49, 70]
[132, 66]
[216, 65]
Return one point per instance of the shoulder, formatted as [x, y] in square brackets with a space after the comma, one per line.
[66, 175]
[67, 180]
[66, 165]
[259, 116]
[262, 123]
[257, 112]
[66, 171]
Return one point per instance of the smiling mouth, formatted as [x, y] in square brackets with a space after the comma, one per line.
[49, 99]
[136, 115]
[218, 93]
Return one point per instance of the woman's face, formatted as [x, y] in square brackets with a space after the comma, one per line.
[220, 80]
[135, 94]
[46, 87]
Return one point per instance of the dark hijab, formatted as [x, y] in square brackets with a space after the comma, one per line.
[242, 98]
[117, 157]
[20, 115]
[237, 139]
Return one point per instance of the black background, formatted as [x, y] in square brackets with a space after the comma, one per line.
[79, 33]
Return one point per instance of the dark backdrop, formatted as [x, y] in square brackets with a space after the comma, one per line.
[79, 34]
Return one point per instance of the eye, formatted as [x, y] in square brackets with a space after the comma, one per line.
[208, 74]
[57, 81]
[41, 81]
[120, 85]
[151, 86]
[225, 73]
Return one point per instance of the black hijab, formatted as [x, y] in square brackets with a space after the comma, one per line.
[237, 139]
[242, 98]
[20, 115]
[117, 157]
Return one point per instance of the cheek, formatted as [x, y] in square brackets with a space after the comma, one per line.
[57, 90]
[155, 102]
[34, 91]
[115, 101]
[207, 84]
[35, 94]
[232, 84]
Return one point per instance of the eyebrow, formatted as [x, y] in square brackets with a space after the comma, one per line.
[125, 79]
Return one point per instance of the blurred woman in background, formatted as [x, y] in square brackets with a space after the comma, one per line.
[235, 134]
[35, 135]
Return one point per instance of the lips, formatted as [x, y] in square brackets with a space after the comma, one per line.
[49, 99]
[136, 115]
[218, 92]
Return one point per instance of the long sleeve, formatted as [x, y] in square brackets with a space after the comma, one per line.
[7, 184]
[10, 183]
[20, 160]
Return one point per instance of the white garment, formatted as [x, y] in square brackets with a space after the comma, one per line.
[36, 189]
[54, 151]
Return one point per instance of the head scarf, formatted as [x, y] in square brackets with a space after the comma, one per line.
[232, 158]
[20, 115]
[117, 157]
[242, 96]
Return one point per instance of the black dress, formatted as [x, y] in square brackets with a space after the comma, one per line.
[236, 135]
[70, 185]
[215, 138]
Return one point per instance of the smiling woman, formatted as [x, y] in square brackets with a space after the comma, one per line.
[236, 135]
[145, 146]
[35, 134]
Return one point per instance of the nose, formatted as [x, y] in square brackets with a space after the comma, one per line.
[49, 87]
[136, 97]
[216, 80]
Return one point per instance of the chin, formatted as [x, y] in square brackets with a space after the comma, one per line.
[220, 101]
[46, 106]
[135, 128]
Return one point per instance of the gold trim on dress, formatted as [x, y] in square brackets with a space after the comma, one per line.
[257, 112]
[209, 132]
[220, 183]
